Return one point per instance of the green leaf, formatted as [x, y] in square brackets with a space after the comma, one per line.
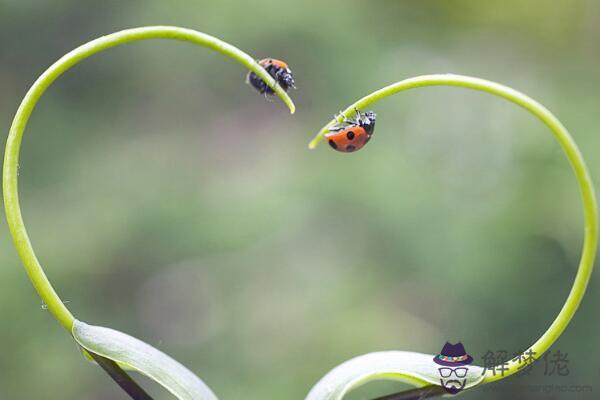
[416, 369]
[137, 355]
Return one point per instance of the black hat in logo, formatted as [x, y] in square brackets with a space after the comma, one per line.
[453, 355]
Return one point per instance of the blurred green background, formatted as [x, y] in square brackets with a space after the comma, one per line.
[169, 200]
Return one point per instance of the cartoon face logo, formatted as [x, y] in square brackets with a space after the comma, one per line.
[453, 361]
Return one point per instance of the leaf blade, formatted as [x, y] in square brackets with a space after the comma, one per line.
[417, 369]
[142, 357]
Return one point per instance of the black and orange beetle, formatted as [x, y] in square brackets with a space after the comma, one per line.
[278, 69]
[353, 133]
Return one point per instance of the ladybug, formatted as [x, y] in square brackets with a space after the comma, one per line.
[278, 69]
[352, 134]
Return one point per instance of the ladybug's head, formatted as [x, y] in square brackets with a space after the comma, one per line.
[285, 79]
[367, 121]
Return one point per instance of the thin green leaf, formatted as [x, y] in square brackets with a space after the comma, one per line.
[129, 351]
[416, 369]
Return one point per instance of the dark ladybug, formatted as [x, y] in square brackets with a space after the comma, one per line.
[278, 69]
[353, 133]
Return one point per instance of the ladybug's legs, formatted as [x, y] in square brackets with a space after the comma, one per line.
[349, 121]
[339, 115]
[358, 118]
[265, 92]
[339, 125]
[345, 120]
[263, 87]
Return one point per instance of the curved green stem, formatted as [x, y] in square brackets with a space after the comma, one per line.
[575, 158]
[13, 144]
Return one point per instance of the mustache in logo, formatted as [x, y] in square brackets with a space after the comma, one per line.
[453, 386]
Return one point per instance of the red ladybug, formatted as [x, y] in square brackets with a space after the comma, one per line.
[278, 69]
[352, 134]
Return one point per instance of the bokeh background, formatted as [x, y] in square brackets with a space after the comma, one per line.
[167, 199]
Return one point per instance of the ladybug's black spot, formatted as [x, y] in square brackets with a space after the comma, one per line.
[332, 144]
[350, 148]
[350, 135]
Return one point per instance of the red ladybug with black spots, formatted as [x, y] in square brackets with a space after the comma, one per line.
[353, 133]
[278, 69]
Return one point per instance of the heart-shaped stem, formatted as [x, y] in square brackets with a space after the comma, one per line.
[590, 211]
[13, 144]
[11, 157]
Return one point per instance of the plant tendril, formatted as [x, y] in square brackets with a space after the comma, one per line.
[11, 157]
[13, 144]
[590, 209]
